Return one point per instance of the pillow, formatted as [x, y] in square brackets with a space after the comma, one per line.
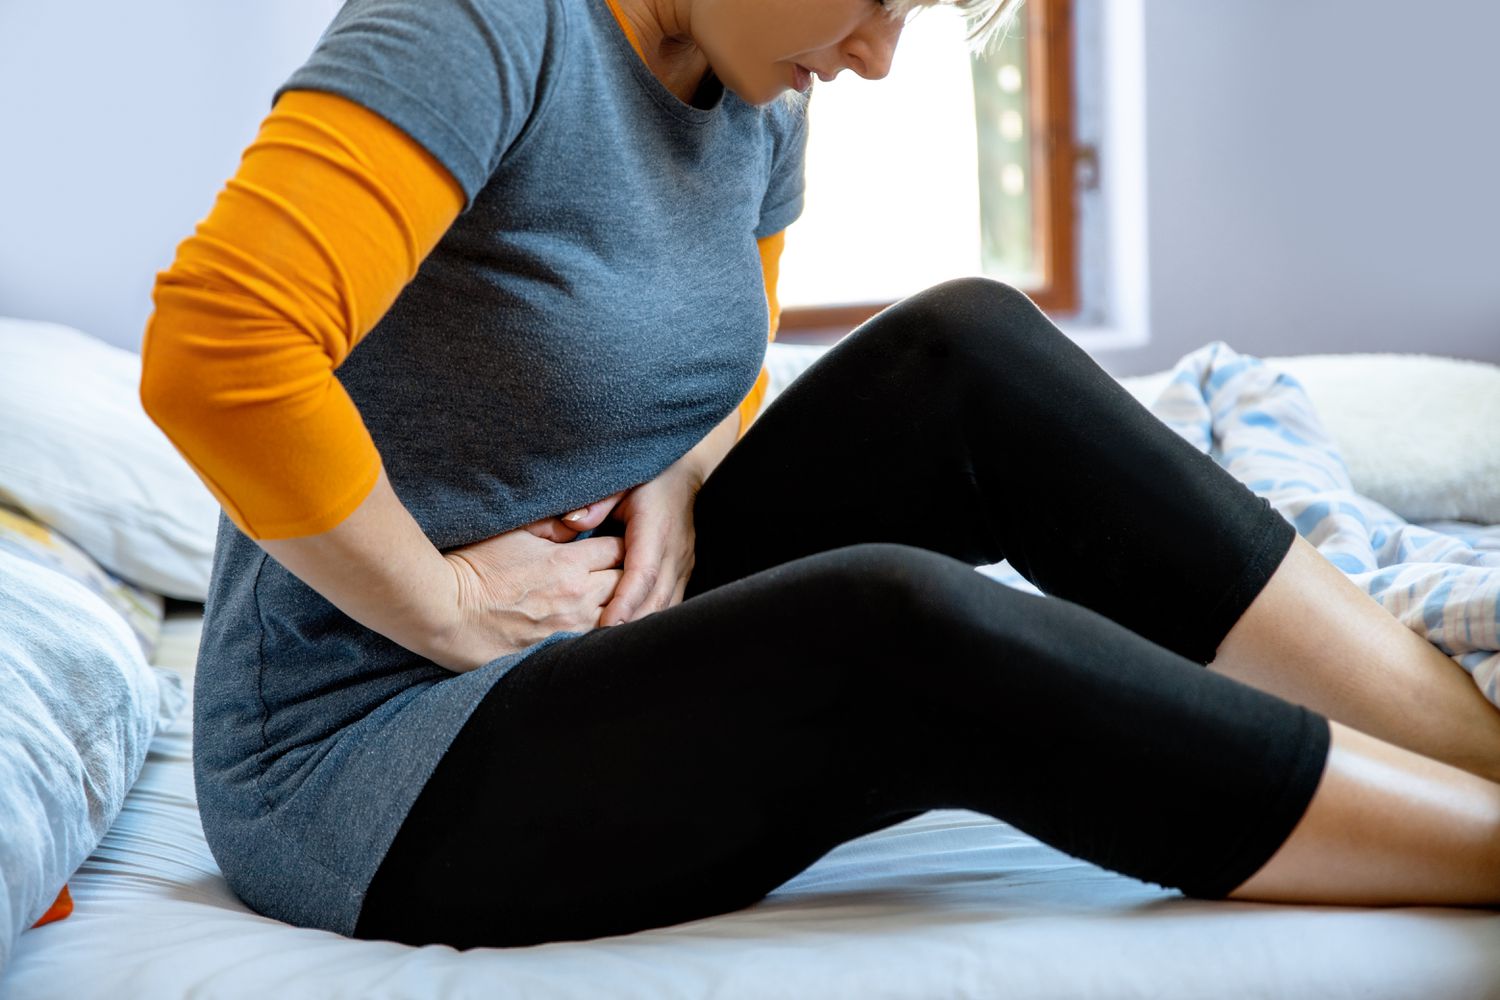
[1416, 431]
[29, 539]
[80, 706]
[785, 362]
[79, 454]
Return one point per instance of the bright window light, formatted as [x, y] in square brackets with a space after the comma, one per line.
[894, 166]
[892, 195]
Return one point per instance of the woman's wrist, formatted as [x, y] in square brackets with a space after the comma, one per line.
[449, 633]
[706, 455]
[379, 568]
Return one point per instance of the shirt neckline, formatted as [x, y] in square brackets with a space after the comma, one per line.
[654, 88]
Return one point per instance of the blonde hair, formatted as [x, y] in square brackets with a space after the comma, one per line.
[987, 19]
[987, 22]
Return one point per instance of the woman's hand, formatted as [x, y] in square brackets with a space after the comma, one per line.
[512, 592]
[518, 587]
[659, 542]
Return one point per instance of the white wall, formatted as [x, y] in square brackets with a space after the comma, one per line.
[1317, 177]
[1321, 177]
[119, 122]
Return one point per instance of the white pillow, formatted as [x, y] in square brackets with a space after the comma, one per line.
[78, 710]
[80, 454]
[1419, 433]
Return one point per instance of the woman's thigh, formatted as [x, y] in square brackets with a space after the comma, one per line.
[687, 763]
[674, 767]
[961, 420]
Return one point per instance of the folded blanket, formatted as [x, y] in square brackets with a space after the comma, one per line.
[1441, 579]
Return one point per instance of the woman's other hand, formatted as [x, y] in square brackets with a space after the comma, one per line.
[659, 542]
[519, 587]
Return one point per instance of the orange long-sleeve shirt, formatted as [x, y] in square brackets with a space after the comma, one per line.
[328, 217]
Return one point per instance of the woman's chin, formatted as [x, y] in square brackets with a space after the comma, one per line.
[759, 93]
[766, 96]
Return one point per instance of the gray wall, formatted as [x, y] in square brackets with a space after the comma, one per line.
[119, 122]
[1321, 178]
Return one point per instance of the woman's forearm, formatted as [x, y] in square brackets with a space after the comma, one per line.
[710, 451]
[379, 568]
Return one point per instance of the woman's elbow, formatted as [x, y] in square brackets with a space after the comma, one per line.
[176, 376]
[164, 394]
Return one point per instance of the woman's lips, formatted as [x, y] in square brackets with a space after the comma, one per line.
[802, 78]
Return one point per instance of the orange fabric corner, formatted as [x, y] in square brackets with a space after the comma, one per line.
[59, 909]
[329, 216]
[770, 267]
[614, 8]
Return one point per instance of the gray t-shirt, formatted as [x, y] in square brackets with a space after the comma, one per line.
[596, 309]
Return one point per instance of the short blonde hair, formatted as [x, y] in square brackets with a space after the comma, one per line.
[987, 21]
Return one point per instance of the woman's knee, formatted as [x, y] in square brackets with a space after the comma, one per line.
[971, 297]
[888, 600]
[976, 309]
[975, 324]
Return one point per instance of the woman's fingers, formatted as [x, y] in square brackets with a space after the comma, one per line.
[590, 517]
[670, 584]
[606, 582]
[668, 589]
[642, 570]
[604, 552]
[635, 586]
[552, 529]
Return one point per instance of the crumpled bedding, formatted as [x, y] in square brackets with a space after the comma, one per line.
[78, 708]
[1441, 578]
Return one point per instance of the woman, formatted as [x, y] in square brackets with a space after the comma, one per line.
[515, 635]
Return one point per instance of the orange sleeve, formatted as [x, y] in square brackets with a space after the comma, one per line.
[770, 263]
[329, 216]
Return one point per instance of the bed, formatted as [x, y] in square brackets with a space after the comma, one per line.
[949, 904]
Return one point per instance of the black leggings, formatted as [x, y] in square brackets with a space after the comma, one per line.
[838, 666]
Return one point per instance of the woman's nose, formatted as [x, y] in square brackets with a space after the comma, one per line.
[870, 53]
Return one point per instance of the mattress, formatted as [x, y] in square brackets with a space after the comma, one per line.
[949, 904]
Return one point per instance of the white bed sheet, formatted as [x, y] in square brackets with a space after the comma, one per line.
[950, 904]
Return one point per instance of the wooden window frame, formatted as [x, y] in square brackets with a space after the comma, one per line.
[1049, 32]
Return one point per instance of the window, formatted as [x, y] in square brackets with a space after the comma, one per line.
[951, 165]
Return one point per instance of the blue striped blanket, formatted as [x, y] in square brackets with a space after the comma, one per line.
[1439, 578]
